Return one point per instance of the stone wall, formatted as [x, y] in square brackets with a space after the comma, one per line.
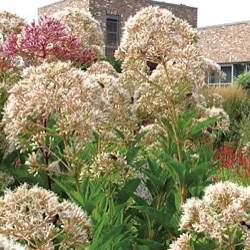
[226, 43]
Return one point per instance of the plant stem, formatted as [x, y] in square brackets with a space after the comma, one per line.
[175, 125]
[46, 173]
[77, 182]
[46, 155]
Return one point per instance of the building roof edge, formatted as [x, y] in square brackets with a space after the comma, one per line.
[177, 5]
[223, 24]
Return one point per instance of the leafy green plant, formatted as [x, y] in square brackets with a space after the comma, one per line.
[218, 220]
[243, 80]
[128, 148]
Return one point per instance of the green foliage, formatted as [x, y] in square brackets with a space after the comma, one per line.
[115, 63]
[177, 165]
[243, 80]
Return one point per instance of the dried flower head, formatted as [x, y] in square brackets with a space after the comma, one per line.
[102, 67]
[53, 92]
[111, 164]
[223, 121]
[81, 24]
[159, 37]
[181, 243]
[34, 215]
[161, 59]
[166, 41]
[5, 180]
[219, 213]
[10, 23]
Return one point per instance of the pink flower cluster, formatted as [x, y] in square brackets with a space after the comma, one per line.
[46, 41]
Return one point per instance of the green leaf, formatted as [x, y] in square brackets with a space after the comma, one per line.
[202, 170]
[120, 134]
[176, 169]
[125, 243]
[197, 129]
[70, 191]
[10, 158]
[84, 188]
[131, 154]
[129, 188]
[153, 178]
[159, 216]
[177, 197]
[139, 136]
[140, 201]
[131, 185]
[168, 126]
[149, 244]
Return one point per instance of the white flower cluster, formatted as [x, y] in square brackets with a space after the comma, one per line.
[108, 163]
[221, 211]
[246, 149]
[55, 99]
[5, 180]
[159, 58]
[115, 93]
[10, 23]
[34, 215]
[166, 41]
[73, 100]
[182, 243]
[81, 24]
[10, 244]
[223, 121]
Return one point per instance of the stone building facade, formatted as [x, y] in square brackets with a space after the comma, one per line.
[112, 14]
[229, 46]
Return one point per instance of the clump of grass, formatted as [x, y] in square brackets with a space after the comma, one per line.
[234, 100]
[236, 103]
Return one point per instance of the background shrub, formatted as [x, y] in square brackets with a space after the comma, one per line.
[244, 80]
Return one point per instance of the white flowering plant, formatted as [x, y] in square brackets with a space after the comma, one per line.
[219, 220]
[128, 148]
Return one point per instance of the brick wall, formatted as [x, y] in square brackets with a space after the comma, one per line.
[182, 11]
[125, 8]
[226, 43]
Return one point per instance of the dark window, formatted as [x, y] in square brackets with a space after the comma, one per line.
[239, 69]
[228, 71]
[213, 78]
[112, 31]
